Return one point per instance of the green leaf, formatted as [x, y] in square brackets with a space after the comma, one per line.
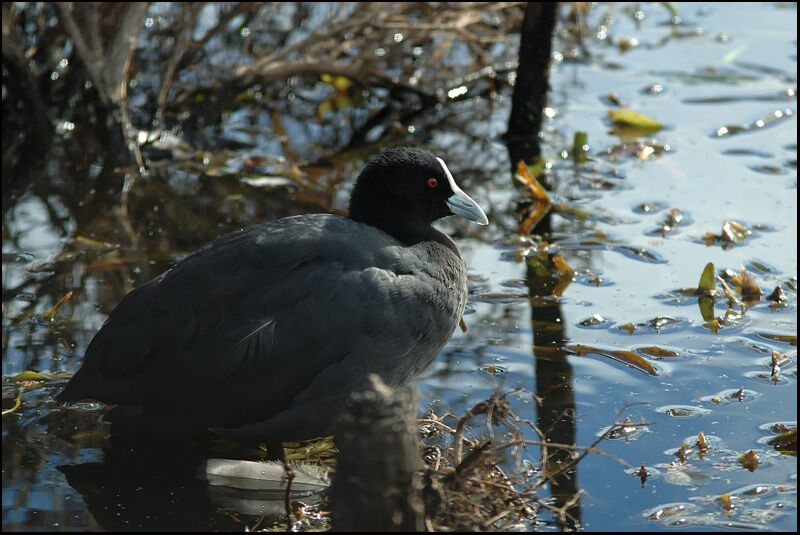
[707, 281]
[28, 376]
[630, 124]
[706, 304]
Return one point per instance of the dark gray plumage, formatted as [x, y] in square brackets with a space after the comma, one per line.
[263, 333]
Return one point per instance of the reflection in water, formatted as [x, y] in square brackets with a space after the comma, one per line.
[151, 489]
[556, 416]
[60, 210]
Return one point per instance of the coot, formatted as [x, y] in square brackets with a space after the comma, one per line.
[263, 333]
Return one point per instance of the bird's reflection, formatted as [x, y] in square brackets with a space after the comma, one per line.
[156, 488]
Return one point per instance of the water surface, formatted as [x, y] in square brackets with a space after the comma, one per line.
[725, 65]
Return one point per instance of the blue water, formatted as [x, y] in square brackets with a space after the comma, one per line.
[743, 52]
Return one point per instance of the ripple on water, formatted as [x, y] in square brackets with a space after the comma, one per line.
[683, 411]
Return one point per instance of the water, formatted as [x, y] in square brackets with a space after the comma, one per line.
[735, 71]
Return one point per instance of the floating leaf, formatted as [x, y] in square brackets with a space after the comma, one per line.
[28, 375]
[707, 279]
[640, 253]
[768, 170]
[726, 501]
[562, 266]
[702, 441]
[732, 233]
[541, 200]
[613, 99]
[681, 411]
[561, 285]
[684, 474]
[787, 338]
[653, 89]
[750, 290]
[627, 123]
[706, 304]
[626, 44]
[713, 325]
[594, 320]
[659, 322]
[628, 357]
[648, 207]
[778, 358]
[749, 460]
[673, 218]
[525, 176]
[540, 263]
[642, 473]
[684, 451]
[786, 442]
[777, 295]
[630, 327]
[657, 352]
[775, 374]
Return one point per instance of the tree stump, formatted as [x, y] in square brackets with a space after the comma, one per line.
[377, 485]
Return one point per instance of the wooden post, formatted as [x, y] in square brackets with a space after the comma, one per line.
[377, 486]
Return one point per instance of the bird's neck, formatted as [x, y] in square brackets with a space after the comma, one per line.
[397, 224]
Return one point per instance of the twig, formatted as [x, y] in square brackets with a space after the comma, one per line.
[17, 403]
[287, 502]
[256, 525]
[224, 19]
[190, 15]
[438, 423]
[488, 407]
[470, 460]
[561, 512]
[496, 517]
[246, 74]
[614, 426]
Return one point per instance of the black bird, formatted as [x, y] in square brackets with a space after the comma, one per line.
[263, 333]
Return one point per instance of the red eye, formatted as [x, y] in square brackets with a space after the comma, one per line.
[432, 182]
